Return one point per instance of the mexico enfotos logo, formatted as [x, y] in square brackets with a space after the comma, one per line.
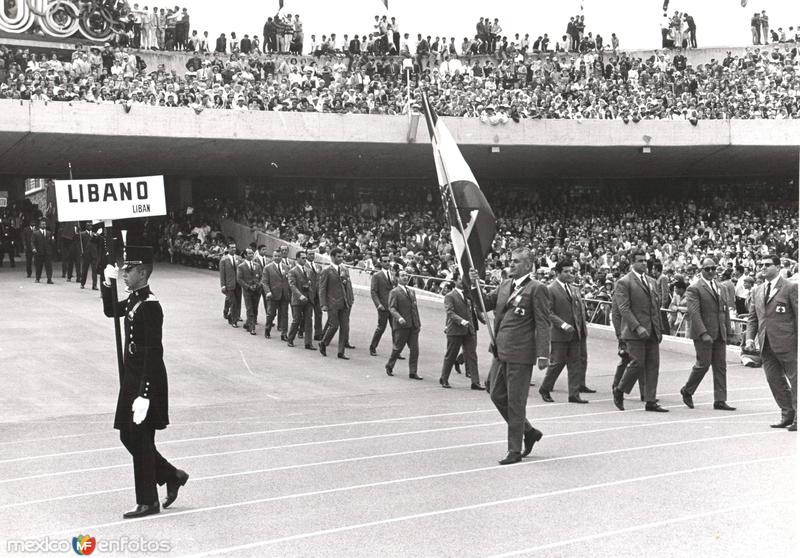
[84, 545]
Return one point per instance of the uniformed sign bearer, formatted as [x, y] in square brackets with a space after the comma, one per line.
[142, 404]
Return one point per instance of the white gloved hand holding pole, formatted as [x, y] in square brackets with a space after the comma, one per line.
[140, 407]
[110, 272]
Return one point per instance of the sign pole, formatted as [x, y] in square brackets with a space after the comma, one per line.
[111, 260]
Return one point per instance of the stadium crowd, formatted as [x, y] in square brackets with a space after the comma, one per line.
[759, 84]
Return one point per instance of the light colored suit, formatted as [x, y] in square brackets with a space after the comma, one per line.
[707, 313]
[774, 323]
[639, 307]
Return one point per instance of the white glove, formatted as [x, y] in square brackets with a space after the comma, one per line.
[139, 408]
[110, 272]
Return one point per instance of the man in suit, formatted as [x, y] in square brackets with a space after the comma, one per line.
[773, 320]
[567, 336]
[275, 283]
[230, 287]
[709, 326]
[69, 249]
[662, 288]
[301, 284]
[381, 284]
[27, 241]
[405, 325]
[143, 400]
[336, 300]
[637, 298]
[522, 338]
[248, 274]
[262, 260]
[43, 250]
[461, 326]
[317, 268]
[90, 256]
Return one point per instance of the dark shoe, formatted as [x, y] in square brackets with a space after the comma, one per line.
[311, 347]
[783, 424]
[38, 281]
[348, 346]
[343, 356]
[400, 357]
[722, 406]
[512, 457]
[234, 324]
[49, 282]
[389, 371]
[655, 408]
[619, 398]
[545, 396]
[83, 286]
[792, 427]
[322, 350]
[266, 334]
[477, 387]
[318, 338]
[284, 337]
[142, 510]
[290, 344]
[414, 377]
[95, 289]
[443, 383]
[687, 398]
[253, 331]
[457, 366]
[531, 437]
[584, 389]
[172, 487]
[577, 399]
[372, 352]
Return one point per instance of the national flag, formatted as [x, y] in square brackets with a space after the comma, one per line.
[280, 5]
[386, 3]
[466, 204]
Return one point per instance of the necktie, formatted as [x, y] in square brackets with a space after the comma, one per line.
[644, 282]
[714, 290]
[766, 296]
[569, 295]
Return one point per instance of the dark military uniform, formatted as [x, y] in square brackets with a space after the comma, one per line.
[7, 242]
[144, 375]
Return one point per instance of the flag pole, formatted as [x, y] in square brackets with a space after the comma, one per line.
[111, 260]
[460, 226]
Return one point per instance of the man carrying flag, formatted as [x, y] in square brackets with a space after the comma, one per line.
[520, 303]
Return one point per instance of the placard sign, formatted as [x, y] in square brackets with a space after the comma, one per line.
[110, 198]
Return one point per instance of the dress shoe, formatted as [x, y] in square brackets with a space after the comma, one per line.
[253, 331]
[234, 324]
[142, 510]
[372, 352]
[348, 346]
[95, 289]
[49, 282]
[172, 487]
[389, 371]
[545, 396]
[414, 377]
[531, 437]
[322, 350]
[687, 398]
[577, 399]
[311, 347]
[619, 398]
[477, 387]
[290, 344]
[655, 408]
[584, 389]
[284, 337]
[784, 423]
[83, 286]
[400, 357]
[512, 457]
[722, 406]
[266, 334]
[792, 427]
[342, 356]
[457, 366]
[38, 280]
[443, 383]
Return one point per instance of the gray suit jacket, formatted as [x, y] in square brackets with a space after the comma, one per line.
[403, 304]
[776, 319]
[636, 308]
[707, 313]
[562, 311]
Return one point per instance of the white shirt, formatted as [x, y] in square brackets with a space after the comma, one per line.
[711, 285]
[773, 285]
[565, 287]
[518, 281]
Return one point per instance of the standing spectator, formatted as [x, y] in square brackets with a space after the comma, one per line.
[138, 16]
[692, 28]
[764, 27]
[221, 46]
[405, 315]
[637, 299]
[755, 28]
[182, 31]
[614, 42]
[161, 27]
[773, 321]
